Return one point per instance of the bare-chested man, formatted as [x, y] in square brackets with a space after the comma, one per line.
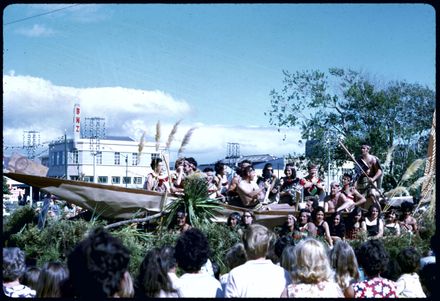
[248, 190]
[368, 186]
[349, 197]
[331, 201]
[408, 223]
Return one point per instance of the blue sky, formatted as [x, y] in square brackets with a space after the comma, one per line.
[211, 65]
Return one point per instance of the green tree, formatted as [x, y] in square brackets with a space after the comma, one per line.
[349, 105]
[5, 187]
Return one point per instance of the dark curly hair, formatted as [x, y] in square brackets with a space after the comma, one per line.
[192, 250]
[97, 264]
[373, 257]
[408, 260]
[14, 264]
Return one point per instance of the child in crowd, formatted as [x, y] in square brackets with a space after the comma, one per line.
[408, 285]
[392, 227]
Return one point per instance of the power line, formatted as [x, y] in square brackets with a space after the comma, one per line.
[39, 15]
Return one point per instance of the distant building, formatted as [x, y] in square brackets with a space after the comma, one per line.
[114, 161]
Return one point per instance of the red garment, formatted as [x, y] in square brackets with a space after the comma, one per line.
[375, 288]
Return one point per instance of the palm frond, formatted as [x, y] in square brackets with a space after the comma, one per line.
[418, 183]
[185, 140]
[172, 133]
[389, 156]
[157, 138]
[398, 190]
[412, 169]
[140, 147]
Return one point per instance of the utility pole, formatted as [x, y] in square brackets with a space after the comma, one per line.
[65, 153]
[126, 171]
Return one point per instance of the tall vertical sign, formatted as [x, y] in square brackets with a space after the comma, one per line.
[76, 123]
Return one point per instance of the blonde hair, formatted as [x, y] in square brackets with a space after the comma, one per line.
[256, 241]
[343, 261]
[311, 262]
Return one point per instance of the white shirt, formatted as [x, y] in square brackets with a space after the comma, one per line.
[257, 278]
[200, 285]
[408, 286]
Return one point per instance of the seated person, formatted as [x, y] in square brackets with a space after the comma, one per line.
[250, 193]
[349, 197]
[313, 185]
[408, 223]
[392, 226]
[331, 200]
[289, 186]
[271, 194]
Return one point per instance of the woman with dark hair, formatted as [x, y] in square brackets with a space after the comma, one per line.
[408, 285]
[408, 223]
[304, 226]
[192, 252]
[289, 185]
[322, 228]
[156, 181]
[272, 192]
[221, 179]
[13, 269]
[30, 277]
[353, 223]
[234, 220]
[392, 227]
[373, 258]
[52, 275]
[153, 280]
[337, 227]
[373, 223]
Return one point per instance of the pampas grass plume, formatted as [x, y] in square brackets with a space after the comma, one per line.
[185, 141]
[172, 133]
[157, 135]
[412, 169]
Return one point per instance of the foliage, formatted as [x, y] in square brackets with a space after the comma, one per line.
[221, 239]
[5, 187]
[53, 242]
[348, 104]
[196, 202]
[16, 221]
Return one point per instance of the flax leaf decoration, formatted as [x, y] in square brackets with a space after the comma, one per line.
[172, 133]
[185, 141]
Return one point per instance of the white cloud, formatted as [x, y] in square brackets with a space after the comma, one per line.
[36, 31]
[31, 103]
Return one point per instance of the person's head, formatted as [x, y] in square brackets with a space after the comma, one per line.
[336, 218]
[365, 147]
[97, 265]
[304, 216]
[318, 214]
[248, 173]
[311, 262]
[373, 257]
[256, 240]
[409, 260]
[209, 173]
[52, 276]
[344, 263]
[192, 250]
[391, 215]
[157, 165]
[374, 211]
[14, 264]
[290, 220]
[313, 169]
[192, 162]
[312, 204]
[346, 179]
[407, 208]
[248, 217]
[288, 258]
[219, 168]
[235, 256]
[168, 258]
[242, 165]
[355, 215]
[290, 171]
[179, 162]
[181, 217]
[267, 171]
[152, 277]
[30, 277]
[234, 219]
[281, 243]
[334, 187]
